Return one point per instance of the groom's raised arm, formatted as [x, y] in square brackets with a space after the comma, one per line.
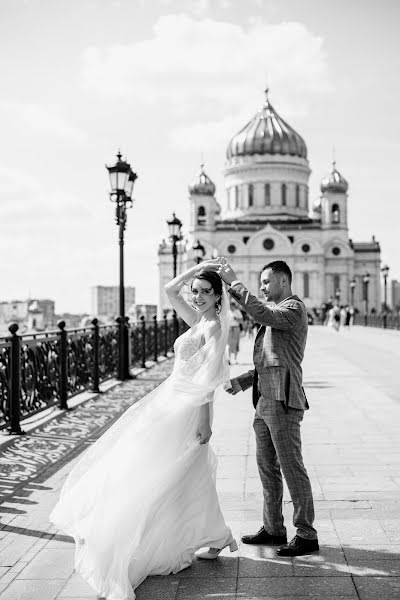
[279, 317]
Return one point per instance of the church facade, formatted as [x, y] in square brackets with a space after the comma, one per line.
[267, 216]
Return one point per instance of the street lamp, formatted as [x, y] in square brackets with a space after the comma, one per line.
[385, 273]
[199, 251]
[353, 284]
[365, 280]
[175, 226]
[175, 235]
[122, 180]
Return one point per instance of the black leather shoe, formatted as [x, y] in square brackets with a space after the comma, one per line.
[298, 546]
[263, 537]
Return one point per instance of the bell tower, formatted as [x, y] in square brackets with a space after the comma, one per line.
[334, 200]
[204, 208]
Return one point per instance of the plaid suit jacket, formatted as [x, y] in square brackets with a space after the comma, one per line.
[278, 349]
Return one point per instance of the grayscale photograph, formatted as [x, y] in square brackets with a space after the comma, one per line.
[199, 300]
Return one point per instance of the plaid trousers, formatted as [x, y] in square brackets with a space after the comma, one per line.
[279, 451]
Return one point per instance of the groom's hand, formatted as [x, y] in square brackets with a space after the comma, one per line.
[234, 387]
[224, 270]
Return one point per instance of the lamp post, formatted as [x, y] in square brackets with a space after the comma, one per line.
[385, 273]
[365, 280]
[353, 284]
[122, 180]
[174, 227]
[199, 251]
[175, 235]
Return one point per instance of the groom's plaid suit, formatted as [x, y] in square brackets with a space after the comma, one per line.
[279, 399]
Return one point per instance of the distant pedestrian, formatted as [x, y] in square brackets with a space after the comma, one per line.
[334, 317]
[343, 315]
[351, 314]
[235, 322]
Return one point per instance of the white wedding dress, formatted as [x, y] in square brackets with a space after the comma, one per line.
[143, 499]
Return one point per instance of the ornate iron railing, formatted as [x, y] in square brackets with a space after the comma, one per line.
[384, 321]
[38, 371]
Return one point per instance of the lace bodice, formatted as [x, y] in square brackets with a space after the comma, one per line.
[189, 343]
[201, 364]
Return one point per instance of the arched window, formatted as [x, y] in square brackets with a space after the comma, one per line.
[306, 285]
[251, 194]
[283, 194]
[336, 286]
[267, 194]
[335, 213]
[201, 215]
[297, 196]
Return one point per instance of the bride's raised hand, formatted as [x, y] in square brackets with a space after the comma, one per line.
[221, 266]
[211, 263]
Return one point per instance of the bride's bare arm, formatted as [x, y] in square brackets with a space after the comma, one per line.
[204, 431]
[173, 288]
[184, 310]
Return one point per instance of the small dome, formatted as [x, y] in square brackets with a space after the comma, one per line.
[202, 184]
[267, 133]
[334, 182]
[317, 205]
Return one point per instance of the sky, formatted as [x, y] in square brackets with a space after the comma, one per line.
[169, 82]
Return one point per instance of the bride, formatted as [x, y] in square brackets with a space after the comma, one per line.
[142, 500]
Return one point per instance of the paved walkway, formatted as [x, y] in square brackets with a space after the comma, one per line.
[352, 452]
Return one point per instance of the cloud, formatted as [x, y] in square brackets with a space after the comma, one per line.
[45, 120]
[206, 136]
[48, 120]
[211, 68]
[14, 181]
[24, 201]
[198, 8]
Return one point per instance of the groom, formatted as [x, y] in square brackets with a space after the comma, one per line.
[279, 400]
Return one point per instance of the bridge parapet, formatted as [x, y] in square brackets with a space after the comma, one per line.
[45, 369]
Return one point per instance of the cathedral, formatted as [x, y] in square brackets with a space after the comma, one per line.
[267, 216]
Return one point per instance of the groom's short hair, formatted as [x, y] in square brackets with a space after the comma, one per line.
[279, 266]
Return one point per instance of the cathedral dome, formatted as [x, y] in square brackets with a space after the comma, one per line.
[202, 184]
[334, 182]
[267, 133]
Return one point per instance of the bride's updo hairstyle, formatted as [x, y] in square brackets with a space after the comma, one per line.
[215, 280]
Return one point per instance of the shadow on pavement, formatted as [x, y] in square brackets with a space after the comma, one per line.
[336, 571]
[37, 533]
[317, 384]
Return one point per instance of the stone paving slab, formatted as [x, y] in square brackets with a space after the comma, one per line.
[352, 452]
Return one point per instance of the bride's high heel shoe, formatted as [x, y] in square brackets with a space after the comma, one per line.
[213, 553]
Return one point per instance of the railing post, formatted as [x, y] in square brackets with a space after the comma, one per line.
[63, 391]
[96, 349]
[176, 325]
[127, 354]
[165, 336]
[15, 381]
[155, 338]
[143, 341]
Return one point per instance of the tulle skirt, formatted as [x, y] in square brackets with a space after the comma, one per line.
[142, 499]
